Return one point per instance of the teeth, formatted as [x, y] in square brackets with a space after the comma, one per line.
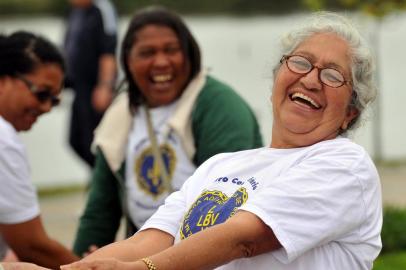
[162, 78]
[309, 99]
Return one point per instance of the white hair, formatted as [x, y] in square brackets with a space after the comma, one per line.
[362, 62]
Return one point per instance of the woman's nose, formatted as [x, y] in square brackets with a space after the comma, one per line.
[161, 59]
[311, 80]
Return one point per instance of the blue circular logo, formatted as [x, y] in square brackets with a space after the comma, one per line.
[211, 208]
[148, 173]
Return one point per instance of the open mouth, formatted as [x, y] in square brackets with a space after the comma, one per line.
[301, 98]
[162, 78]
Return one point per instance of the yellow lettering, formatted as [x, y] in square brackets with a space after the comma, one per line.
[214, 218]
[206, 221]
[211, 210]
[199, 223]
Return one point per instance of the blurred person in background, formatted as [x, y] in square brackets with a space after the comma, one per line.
[31, 78]
[173, 117]
[309, 201]
[90, 45]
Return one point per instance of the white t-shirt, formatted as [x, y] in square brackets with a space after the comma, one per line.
[323, 202]
[18, 197]
[145, 188]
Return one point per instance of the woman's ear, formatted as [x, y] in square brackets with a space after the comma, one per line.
[352, 114]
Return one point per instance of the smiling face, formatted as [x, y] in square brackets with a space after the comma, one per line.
[18, 105]
[158, 65]
[305, 110]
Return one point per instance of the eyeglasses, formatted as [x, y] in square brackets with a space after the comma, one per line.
[327, 76]
[43, 95]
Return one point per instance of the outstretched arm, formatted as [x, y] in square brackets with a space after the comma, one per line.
[31, 244]
[142, 244]
[243, 235]
[20, 266]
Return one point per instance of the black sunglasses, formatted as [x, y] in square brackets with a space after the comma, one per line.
[43, 95]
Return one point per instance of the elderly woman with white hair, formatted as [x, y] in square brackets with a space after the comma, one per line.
[311, 200]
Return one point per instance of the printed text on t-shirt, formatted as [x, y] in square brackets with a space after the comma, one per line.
[254, 184]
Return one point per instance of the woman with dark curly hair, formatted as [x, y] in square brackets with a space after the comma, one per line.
[31, 76]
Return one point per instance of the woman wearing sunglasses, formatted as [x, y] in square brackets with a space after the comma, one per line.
[31, 75]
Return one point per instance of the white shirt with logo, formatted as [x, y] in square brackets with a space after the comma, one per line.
[323, 203]
[18, 197]
[145, 187]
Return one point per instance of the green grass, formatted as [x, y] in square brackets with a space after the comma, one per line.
[56, 191]
[391, 261]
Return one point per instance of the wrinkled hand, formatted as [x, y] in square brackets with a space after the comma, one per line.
[102, 97]
[22, 266]
[103, 264]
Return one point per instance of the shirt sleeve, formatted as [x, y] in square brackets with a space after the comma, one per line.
[315, 202]
[18, 198]
[108, 21]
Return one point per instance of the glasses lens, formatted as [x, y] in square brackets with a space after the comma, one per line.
[298, 64]
[331, 77]
[55, 101]
[44, 96]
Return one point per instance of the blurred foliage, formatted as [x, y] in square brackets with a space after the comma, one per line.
[238, 7]
[233, 7]
[376, 8]
[394, 229]
[28, 7]
[391, 261]
[125, 7]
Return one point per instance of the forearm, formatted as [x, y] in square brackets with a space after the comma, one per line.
[30, 243]
[107, 70]
[244, 235]
[20, 266]
[142, 244]
[103, 91]
[49, 254]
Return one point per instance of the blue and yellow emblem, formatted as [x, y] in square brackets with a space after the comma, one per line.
[147, 171]
[211, 208]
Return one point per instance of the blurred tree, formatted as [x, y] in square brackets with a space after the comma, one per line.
[125, 7]
[378, 9]
[238, 7]
[25, 7]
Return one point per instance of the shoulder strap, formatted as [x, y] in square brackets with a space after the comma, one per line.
[157, 152]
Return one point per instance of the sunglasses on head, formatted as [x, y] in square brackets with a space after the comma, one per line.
[43, 95]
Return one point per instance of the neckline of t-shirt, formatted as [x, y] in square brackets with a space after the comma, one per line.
[292, 150]
[163, 109]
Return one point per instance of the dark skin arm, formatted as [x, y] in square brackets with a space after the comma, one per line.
[31, 244]
[103, 92]
[21, 266]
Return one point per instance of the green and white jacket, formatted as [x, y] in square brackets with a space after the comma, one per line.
[210, 118]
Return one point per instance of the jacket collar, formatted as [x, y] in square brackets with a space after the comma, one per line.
[111, 135]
